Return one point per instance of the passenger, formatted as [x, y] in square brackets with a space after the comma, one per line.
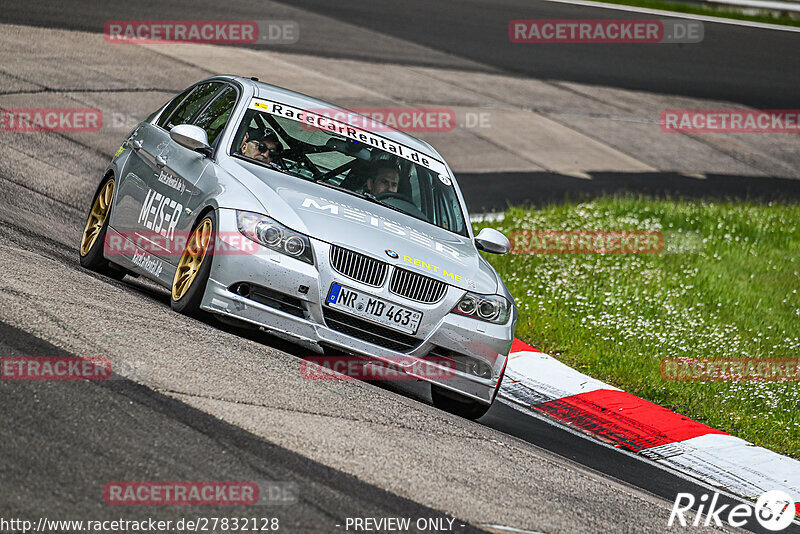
[261, 145]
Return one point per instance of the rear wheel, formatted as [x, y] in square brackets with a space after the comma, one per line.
[94, 233]
[194, 267]
[457, 404]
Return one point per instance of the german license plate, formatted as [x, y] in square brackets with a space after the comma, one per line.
[373, 309]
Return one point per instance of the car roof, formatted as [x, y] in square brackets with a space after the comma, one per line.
[300, 100]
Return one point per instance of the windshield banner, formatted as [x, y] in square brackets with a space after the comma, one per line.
[347, 130]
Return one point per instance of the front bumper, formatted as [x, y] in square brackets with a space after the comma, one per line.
[306, 325]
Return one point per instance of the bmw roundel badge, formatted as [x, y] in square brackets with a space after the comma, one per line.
[392, 254]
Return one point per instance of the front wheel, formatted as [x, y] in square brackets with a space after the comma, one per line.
[194, 267]
[457, 404]
[94, 233]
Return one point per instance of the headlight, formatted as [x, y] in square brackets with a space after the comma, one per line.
[489, 308]
[273, 235]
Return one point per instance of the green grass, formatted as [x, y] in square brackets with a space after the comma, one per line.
[726, 285]
[728, 12]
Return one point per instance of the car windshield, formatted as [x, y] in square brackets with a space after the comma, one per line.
[317, 148]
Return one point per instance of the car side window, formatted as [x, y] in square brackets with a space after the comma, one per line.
[174, 103]
[215, 116]
[192, 104]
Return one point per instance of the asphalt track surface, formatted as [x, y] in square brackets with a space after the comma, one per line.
[75, 437]
[62, 442]
[755, 67]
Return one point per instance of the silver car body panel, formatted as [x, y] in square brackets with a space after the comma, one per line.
[164, 188]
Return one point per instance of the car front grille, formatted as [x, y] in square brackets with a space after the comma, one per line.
[358, 266]
[369, 332]
[416, 286]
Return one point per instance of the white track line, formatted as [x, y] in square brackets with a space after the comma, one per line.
[676, 14]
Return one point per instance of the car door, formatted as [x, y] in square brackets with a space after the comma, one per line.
[162, 221]
[188, 165]
[213, 119]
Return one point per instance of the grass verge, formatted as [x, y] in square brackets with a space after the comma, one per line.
[713, 11]
[726, 285]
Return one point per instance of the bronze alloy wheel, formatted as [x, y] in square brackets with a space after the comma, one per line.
[192, 259]
[97, 217]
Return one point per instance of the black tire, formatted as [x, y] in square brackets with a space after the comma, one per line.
[93, 258]
[457, 404]
[189, 302]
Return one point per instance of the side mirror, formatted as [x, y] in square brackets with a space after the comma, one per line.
[191, 137]
[492, 241]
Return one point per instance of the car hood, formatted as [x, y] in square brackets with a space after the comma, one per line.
[367, 227]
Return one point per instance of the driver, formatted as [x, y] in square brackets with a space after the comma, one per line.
[261, 145]
[385, 178]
